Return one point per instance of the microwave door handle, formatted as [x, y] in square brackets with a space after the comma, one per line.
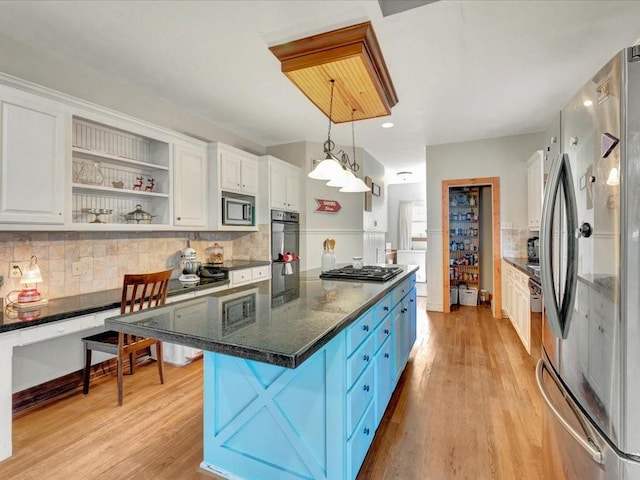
[546, 238]
[247, 212]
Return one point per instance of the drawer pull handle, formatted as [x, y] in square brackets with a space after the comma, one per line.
[386, 330]
[365, 358]
[366, 388]
[385, 308]
[386, 355]
[366, 430]
[365, 328]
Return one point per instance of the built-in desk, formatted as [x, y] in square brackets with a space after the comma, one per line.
[61, 317]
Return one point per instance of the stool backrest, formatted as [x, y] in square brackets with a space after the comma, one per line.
[144, 290]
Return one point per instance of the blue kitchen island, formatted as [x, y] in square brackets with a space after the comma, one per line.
[292, 390]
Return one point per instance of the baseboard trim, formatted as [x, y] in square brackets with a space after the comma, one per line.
[66, 385]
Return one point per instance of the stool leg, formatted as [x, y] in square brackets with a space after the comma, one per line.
[87, 370]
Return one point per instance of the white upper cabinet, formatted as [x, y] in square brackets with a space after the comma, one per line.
[535, 184]
[234, 172]
[238, 171]
[284, 185]
[33, 157]
[190, 186]
[71, 165]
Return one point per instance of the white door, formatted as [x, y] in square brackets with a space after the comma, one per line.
[249, 176]
[293, 190]
[278, 188]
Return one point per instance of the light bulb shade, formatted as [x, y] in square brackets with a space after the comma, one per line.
[614, 177]
[327, 169]
[355, 185]
[342, 179]
[31, 274]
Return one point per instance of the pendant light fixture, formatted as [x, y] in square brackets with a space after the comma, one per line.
[330, 167]
[339, 171]
[353, 184]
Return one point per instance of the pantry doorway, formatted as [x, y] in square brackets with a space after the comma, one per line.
[462, 262]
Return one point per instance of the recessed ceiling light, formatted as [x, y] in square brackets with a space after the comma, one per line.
[587, 103]
[387, 125]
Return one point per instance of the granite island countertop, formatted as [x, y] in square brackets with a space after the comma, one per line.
[284, 335]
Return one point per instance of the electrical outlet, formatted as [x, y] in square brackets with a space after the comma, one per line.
[76, 268]
[15, 269]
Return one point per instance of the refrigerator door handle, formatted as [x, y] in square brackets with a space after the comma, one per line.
[571, 278]
[546, 238]
[585, 443]
[560, 174]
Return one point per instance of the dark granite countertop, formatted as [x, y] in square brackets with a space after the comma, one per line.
[605, 284]
[88, 303]
[522, 264]
[284, 335]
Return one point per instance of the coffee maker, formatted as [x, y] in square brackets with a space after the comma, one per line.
[533, 250]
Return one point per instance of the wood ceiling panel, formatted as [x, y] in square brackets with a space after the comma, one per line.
[351, 56]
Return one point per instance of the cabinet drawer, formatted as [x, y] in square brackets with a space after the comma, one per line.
[359, 443]
[56, 329]
[359, 361]
[400, 291]
[240, 276]
[383, 331]
[260, 273]
[358, 331]
[359, 398]
[383, 307]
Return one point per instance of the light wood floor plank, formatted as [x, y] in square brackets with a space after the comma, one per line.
[467, 407]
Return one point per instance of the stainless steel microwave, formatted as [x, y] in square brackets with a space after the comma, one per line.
[236, 211]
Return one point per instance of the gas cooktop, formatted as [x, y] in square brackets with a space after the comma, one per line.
[369, 273]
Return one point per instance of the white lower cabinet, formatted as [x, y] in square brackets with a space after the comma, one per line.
[517, 303]
[247, 275]
[32, 159]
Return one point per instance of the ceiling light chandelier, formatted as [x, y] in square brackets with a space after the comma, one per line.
[339, 171]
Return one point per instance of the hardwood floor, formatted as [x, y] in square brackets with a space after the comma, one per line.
[467, 407]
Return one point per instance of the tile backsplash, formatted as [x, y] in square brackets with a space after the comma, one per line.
[514, 242]
[105, 257]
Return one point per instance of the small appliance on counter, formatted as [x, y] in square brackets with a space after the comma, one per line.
[189, 267]
[533, 250]
[212, 272]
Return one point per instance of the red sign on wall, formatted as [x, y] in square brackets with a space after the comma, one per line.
[327, 206]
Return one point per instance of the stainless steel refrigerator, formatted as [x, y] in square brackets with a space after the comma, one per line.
[589, 374]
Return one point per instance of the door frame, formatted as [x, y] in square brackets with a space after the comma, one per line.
[494, 183]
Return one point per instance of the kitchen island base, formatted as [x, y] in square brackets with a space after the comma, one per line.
[318, 420]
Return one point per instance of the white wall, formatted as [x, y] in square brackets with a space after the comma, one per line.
[502, 157]
[400, 192]
[61, 74]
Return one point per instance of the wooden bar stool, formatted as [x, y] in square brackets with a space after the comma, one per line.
[138, 291]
